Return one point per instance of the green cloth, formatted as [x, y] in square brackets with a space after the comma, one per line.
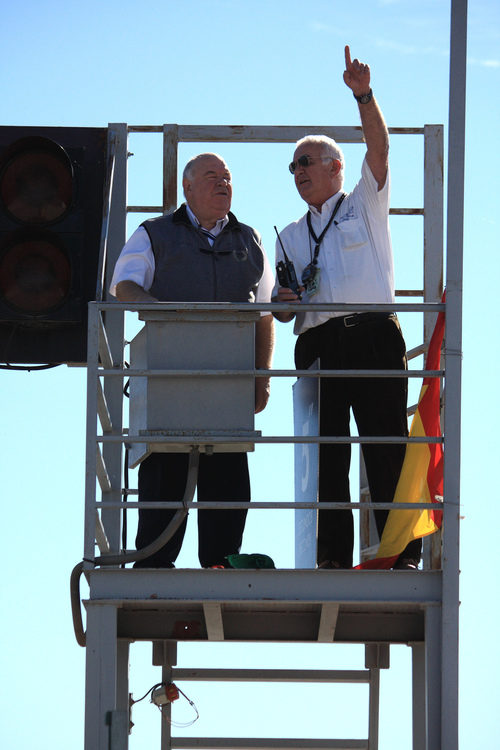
[255, 560]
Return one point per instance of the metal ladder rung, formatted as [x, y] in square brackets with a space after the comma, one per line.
[345, 676]
[272, 743]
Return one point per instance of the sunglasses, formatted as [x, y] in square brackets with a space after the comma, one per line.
[305, 161]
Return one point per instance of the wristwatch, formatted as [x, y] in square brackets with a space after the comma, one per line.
[364, 98]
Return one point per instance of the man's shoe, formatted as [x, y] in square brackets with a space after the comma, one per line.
[329, 564]
[406, 563]
[150, 562]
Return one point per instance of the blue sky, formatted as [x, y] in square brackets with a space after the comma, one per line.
[262, 63]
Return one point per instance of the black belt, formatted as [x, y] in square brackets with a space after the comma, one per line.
[356, 319]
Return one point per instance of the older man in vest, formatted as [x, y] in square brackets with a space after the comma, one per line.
[199, 253]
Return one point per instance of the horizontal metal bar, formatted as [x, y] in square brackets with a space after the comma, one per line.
[145, 209]
[427, 307]
[265, 133]
[191, 439]
[244, 743]
[414, 374]
[159, 210]
[238, 505]
[273, 675]
[268, 588]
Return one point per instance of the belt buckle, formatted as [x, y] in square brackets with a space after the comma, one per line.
[350, 318]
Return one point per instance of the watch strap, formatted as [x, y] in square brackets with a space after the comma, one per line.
[364, 98]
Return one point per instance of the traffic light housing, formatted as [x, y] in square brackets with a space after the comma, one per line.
[51, 204]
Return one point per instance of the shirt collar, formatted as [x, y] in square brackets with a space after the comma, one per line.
[328, 205]
[219, 226]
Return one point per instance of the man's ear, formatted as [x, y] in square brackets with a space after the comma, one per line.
[186, 186]
[336, 166]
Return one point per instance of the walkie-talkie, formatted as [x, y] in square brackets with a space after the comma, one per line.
[286, 271]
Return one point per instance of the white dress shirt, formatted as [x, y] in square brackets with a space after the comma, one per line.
[355, 256]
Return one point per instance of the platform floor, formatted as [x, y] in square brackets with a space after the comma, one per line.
[343, 606]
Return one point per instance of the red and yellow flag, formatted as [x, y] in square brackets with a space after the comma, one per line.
[421, 479]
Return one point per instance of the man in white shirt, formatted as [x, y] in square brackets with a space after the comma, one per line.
[341, 251]
[199, 253]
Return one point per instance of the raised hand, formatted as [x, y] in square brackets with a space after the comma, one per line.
[356, 75]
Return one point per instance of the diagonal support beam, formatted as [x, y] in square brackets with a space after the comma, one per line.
[213, 621]
[328, 622]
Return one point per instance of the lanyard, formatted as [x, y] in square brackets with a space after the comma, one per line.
[319, 240]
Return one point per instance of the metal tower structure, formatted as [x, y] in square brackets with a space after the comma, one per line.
[375, 608]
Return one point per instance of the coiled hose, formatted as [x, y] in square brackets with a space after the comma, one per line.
[141, 554]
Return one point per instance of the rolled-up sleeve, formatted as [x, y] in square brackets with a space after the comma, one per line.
[135, 262]
[266, 284]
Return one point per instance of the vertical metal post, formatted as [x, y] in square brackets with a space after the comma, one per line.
[101, 675]
[118, 730]
[377, 657]
[418, 696]
[373, 711]
[165, 654]
[433, 653]
[122, 690]
[119, 719]
[166, 713]
[433, 267]
[451, 522]
[91, 426]
[170, 143]
[433, 222]
[114, 325]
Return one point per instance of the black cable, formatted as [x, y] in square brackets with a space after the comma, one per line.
[125, 498]
[127, 384]
[29, 368]
[125, 475]
[133, 702]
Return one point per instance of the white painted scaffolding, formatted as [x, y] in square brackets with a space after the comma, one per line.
[375, 608]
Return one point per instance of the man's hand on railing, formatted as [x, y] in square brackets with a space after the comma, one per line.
[290, 297]
[129, 291]
[262, 391]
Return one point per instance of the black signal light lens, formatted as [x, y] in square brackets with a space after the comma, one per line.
[35, 272]
[36, 181]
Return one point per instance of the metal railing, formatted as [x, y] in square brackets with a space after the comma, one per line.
[101, 366]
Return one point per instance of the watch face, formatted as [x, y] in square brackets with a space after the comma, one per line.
[364, 98]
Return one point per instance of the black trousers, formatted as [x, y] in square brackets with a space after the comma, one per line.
[221, 477]
[363, 341]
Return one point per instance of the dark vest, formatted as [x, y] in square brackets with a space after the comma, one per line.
[187, 269]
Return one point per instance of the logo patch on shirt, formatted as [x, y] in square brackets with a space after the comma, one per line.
[348, 215]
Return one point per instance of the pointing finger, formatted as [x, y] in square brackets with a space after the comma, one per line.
[347, 56]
